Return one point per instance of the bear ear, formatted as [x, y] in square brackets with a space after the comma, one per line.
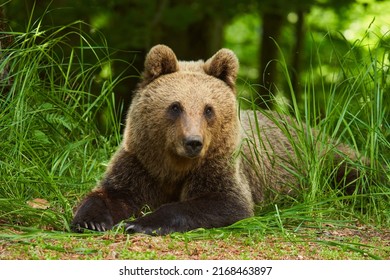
[159, 61]
[224, 66]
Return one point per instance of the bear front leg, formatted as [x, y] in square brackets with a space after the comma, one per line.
[208, 211]
[212, 196]
[124, 190]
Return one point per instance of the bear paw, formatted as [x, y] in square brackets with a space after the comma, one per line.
[132, 228]
[92, 214]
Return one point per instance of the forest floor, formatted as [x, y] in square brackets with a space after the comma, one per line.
[330, 243]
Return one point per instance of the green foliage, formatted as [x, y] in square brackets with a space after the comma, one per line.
[242, 36]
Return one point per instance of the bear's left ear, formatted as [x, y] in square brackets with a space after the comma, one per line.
[159, 61]
[224, 66]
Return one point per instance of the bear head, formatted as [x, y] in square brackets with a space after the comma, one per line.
[183, 112]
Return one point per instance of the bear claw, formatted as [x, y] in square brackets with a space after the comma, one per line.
[91, 226]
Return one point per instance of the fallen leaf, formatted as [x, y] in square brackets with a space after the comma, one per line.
[39, 203]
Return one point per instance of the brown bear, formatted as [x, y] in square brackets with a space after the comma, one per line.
[188, 154]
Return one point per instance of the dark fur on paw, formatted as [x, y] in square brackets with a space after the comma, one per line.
[165, 220]
[132, 228]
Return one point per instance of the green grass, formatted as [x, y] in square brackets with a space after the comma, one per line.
[353, 109]
[53, 148]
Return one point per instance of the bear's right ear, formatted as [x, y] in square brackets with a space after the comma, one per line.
[159, 61]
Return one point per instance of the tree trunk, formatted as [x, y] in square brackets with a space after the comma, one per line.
[297, 56]
[199, 40]
[5, 41]
[272, 27]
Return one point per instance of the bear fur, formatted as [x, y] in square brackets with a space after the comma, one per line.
[179, 154]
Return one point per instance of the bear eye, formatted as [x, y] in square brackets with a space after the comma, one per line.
[174, 110]
[209, 112]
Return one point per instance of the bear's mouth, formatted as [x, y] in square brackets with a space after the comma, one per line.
[181, 153]
[190, 154]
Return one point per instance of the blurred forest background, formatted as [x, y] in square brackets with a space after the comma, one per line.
[309, 37]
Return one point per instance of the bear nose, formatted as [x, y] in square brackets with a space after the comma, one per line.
[193, 145]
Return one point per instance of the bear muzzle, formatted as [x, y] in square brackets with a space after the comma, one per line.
[193, 145]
